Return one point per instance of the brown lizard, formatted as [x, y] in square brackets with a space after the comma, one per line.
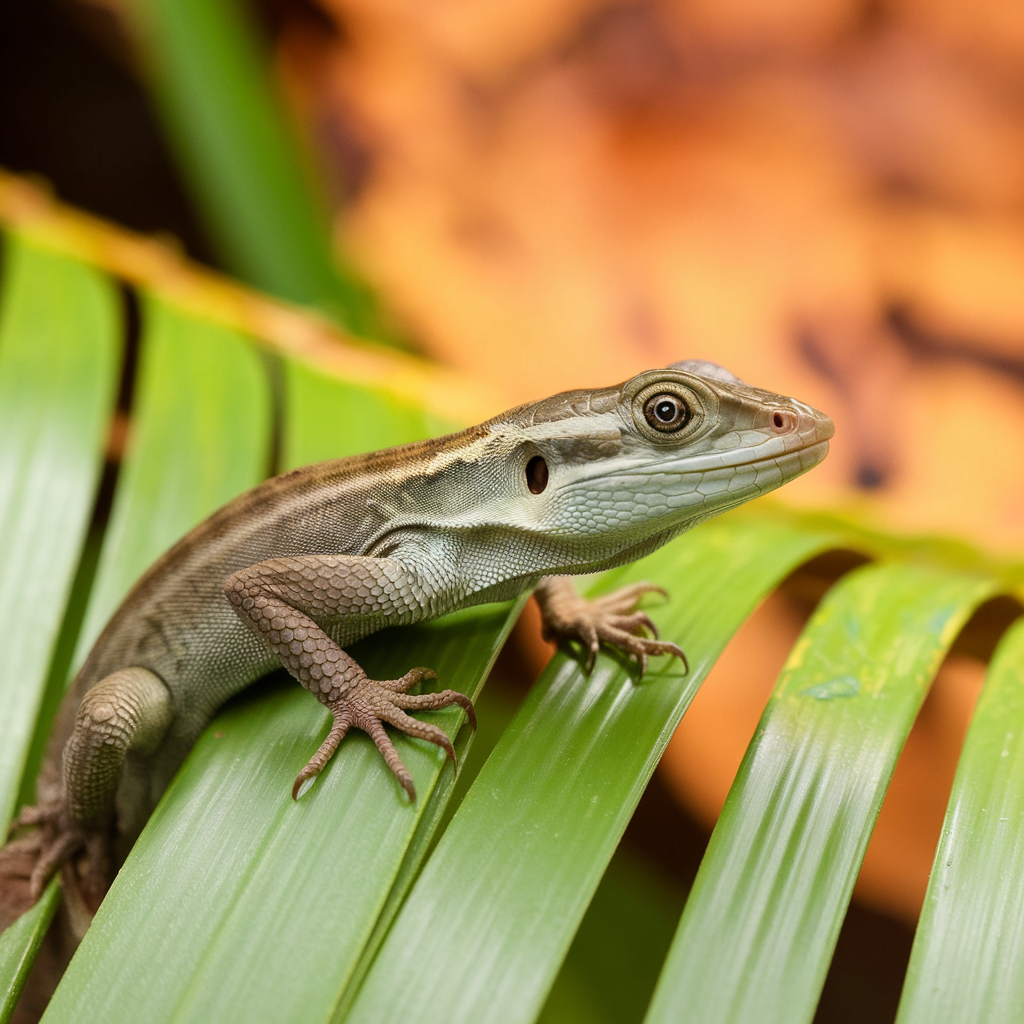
[300, 567]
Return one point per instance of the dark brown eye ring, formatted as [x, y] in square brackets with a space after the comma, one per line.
[667, 412]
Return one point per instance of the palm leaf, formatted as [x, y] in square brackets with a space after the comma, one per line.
[763, 917]
[208, 74]
[969, 944]
[237, 904]
[516, 868]
[57, 366]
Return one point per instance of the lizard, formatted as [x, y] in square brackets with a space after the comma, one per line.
[294, 571]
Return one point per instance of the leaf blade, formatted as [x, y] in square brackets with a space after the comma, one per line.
[19, 946]
[969, 945]
[58, 367]
[759, 928]
[210, 78]
[554, 797]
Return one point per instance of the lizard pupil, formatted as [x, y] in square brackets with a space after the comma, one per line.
[536, 474]
[667, 413]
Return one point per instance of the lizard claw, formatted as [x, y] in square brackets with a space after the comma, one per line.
[30, 816]
[368, 705]
[56, 841]
[612, 619]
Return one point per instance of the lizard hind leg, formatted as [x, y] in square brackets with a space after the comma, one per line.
[127, 710]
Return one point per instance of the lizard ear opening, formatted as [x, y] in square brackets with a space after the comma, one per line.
[536, 474]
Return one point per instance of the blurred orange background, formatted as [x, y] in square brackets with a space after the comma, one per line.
[826, 196]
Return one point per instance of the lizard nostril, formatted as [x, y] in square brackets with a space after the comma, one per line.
[778, 420]
[783, 420]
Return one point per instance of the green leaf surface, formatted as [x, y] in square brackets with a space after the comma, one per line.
[199, 436]
[211, 79]
[967, 962]
[328, 419]
[486, 925]
[472, 748]
[613, 962]
[59, 350]
[19, 945]
[762, 920]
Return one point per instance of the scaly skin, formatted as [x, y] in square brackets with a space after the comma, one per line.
[302, 566]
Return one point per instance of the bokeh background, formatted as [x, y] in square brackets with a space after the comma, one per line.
[826, 196]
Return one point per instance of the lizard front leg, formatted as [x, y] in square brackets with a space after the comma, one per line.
[281, 599]
[612, 619]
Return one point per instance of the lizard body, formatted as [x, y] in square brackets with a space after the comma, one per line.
[305, 564]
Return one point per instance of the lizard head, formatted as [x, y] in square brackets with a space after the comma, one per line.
[657, 454]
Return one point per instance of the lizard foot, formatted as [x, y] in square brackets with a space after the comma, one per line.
[367, 705]
[612, 619]
[55, 841]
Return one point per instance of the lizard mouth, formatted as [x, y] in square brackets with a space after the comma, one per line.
[792, 463]
[809, 456]
[789, 466]
[722, 484]
[819, 450]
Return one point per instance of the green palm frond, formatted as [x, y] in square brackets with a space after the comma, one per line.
[207, 71]
[238, 904]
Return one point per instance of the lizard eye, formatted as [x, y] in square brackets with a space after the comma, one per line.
[667, 412]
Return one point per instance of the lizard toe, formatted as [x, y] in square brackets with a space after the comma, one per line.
[30, 842]
[53, 855]
[339, 727]
[410, 679]
[367, 704]
[625, 599]
[634, 623]
[435, 701]
[422, 730]
[44, 814]
[375, 728]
